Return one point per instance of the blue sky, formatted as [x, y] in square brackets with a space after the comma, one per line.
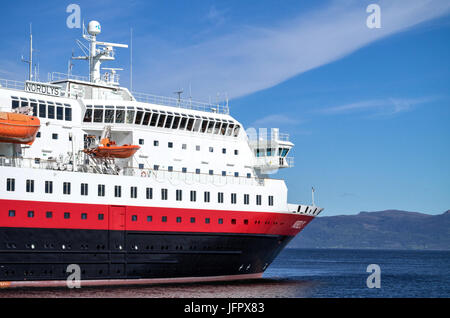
[368, 109]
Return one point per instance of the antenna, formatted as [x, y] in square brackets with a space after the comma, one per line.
[30, 61]
[131, 59]
[312, 195]
[179, 95]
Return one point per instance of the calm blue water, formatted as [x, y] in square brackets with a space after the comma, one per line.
[342, 273]
[299, 273]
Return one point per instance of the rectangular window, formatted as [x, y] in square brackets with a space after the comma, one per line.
[84, 189]
[193, 196]
[164, 194]
[192, 220]
[178, 219]
[246, 199]
[84, 216]
[233, 198]
[155, 143]
[42, 110]
[170, 144]
[48, 186]
[51, 111]
[224, 150]
[101, 216]
[207, 196]
[49, 214]
[87, 116]
[109, 115]
[271, 200]
[164, 219]
[54, 136]
[149, 193]
[184, 170]
[68, 114]
[134, 218]
[11, 213]
[211, 149]
[236, 152]
[133, 192]
[220, 221]
[139, 116]
[141, 141]
[184, 146]
[156, 167]
[211, 172]
[233, 221]
[31, 214]
[101, 190]
[67, 215]
[220, 197]
[170, 168]
[224, 173]
[117, 191]
[10, 184]
[59, 113]
[236, 174]
[179, 196]
[207, 220]
[66, 188]
[149, 218]
[120, 116]
[197, 171]
[258, 199]
[30, 185]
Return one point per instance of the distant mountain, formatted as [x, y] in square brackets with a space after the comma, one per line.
[391, 229]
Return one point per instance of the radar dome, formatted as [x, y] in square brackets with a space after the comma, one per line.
[94, 28]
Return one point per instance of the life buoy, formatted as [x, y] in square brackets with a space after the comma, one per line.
[143, 174]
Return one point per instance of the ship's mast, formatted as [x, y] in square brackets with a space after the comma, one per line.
[97, 55]
[30, 61]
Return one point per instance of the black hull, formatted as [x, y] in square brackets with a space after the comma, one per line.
[30, 254]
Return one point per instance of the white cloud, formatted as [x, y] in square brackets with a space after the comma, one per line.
[255, 58]
[378, 107]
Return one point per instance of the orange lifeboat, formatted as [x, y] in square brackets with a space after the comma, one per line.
[109, 149]
[18, 128]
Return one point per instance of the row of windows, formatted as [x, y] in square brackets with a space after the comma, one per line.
[282, 152]
[84, 191]
[184, 146]
[44, 109]
[162, 119]
[49, 215]
[134, 218]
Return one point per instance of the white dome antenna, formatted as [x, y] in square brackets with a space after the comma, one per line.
[94, 28]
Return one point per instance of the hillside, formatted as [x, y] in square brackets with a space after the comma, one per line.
[391, 229]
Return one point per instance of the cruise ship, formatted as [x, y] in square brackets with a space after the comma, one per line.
[135, 188]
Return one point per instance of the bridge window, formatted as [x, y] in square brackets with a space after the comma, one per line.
[109, 115]
[120, 116]
[190, 124]
[230, 129]
[176, 122]
[98, 115]
[197, 124]
[51, 110]
[139, 115]
[161, 120]
[223, 130]
[154, 119]
[236, 131]
[168, 121]
[210, 126]
[183, 123]
[67, 112]
[130, 116]
[146, 120]
[87, 116]
[60, 110]
[42, 110]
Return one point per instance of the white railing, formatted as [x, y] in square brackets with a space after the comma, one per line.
[56, 76]
[181, 103]
[173, 177]
[17, 85]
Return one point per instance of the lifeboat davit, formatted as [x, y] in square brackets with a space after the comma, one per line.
[109, 149]
[18, 128]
